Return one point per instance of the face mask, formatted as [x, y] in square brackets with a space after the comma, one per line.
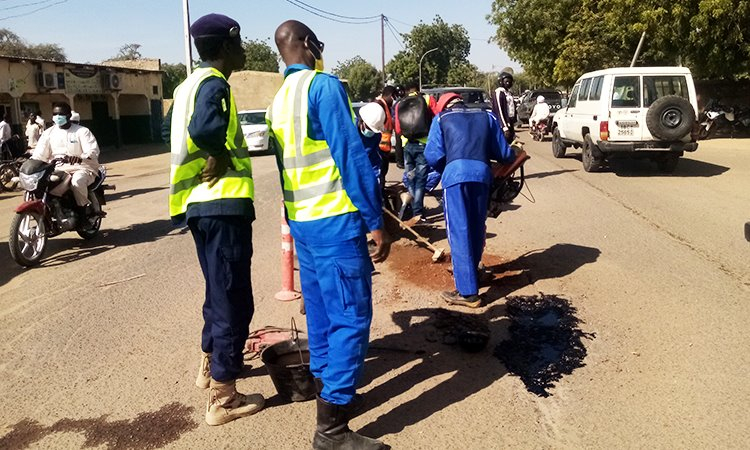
[368, 133]
[319, 64]
[60, 120]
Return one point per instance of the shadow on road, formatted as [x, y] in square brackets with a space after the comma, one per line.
[549, 174]
[64, 249]
[623, 167]
[555, 262]
[152, 429]
[110, 155]
[426, 347]
[120, 195]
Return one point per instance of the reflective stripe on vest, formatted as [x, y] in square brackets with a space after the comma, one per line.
[188, 160]
[311, 182]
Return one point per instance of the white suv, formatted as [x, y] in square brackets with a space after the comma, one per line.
[643, 111]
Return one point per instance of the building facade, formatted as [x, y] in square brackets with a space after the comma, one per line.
[120, 101]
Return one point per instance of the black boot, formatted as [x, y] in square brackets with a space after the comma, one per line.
[333, 433]
[355, 408]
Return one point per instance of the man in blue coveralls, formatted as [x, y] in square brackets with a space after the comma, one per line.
[331, 200]
[211, 190]
[460, 145]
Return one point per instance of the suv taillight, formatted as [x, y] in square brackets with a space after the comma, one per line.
[604, 130]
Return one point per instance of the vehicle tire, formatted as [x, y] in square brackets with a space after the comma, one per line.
[7, 172]
[668, 164]
[558, 146]
[27, 243]
[591, 163]
[670, 118]
[89, 229]
[515, 184]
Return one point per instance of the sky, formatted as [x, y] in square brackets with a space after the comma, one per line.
[90, 31]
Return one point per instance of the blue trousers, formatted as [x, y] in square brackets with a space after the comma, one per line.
[465, 214]
[224, 246]
[416, 167]
[336, 283]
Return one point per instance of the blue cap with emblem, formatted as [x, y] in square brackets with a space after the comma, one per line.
[215, 25]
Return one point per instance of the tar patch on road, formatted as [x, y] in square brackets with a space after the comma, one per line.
[148, 430]
[545, 341]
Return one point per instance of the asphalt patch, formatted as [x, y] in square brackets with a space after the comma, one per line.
[545, 341]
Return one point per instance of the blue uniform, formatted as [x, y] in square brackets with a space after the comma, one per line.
[222, 231]
[335, 266]
[460, 145]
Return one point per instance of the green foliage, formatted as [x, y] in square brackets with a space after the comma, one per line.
[364, 80]
[558, 40]
[174, 74]
[13, 45]
[441, 67]
[128, 52]
[260, 56]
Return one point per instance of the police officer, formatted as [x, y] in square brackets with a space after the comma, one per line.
[331, 199]
[211, 189]
[461, 143]
[504, 107]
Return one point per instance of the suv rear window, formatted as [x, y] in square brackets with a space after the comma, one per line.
[657, 86]
[626, 92]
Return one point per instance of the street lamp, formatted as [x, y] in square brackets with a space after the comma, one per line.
[420, 66]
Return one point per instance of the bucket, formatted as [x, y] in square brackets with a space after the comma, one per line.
[288, 365]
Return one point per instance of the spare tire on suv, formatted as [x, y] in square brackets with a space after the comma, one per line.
[670, 118]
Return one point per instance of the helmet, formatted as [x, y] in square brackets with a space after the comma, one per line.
[445, 99]
[504, 75]
[540, 99]
[75, 117]
[373, 115]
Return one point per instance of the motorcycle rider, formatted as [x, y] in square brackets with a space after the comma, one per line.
[539, 113]
[79, 145]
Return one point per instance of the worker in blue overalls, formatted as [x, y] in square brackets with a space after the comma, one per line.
[460, 145]
[331, 199]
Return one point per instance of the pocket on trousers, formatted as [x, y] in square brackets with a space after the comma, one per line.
[355, 285]
[233, 268]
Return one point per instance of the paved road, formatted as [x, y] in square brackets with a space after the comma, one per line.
[99, 344]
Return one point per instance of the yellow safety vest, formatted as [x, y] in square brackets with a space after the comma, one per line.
[311, 182]
[188, 160]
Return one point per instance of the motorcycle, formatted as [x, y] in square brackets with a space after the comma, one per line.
[713, 117]
[539, 130]
[49, 209]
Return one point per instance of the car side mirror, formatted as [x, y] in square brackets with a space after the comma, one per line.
[564, 103]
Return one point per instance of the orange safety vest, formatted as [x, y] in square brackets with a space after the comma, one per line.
[385, 138]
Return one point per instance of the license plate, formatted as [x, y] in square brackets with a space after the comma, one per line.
[626, 131]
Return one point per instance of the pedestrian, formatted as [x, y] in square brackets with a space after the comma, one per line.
[461, 143]
[413, 144]
[371, 124]
[75, 117]
[331, 199]
[211, 190]
[5, 133]
[81, 150]
[386, 100]
[33, 131]
[504, 106]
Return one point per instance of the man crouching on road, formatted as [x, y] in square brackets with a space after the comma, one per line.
[211, 188]
[460, 145]
[331, 198]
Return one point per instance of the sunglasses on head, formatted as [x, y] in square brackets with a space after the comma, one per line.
[318, 44]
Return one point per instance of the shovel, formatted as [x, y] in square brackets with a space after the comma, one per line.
[438, 254]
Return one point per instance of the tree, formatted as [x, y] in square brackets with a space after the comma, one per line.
[13, 45]
[128, 52]
[174, 74]
[260, 56]
[364, 80]
[453, 46]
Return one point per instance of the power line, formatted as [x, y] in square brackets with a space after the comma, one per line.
[26, 4]
[311, 11]
[34, 11]
[337, 15]
[394, 33]
[402, 23]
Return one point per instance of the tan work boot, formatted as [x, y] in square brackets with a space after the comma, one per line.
[226, 404]
[203, 380]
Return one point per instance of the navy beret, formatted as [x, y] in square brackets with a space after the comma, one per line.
[215, 25]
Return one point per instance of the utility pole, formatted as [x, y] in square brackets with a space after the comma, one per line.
[638, 50]
[186, 26]
[382, 45]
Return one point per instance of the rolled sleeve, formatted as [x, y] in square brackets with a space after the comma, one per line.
[329, 102]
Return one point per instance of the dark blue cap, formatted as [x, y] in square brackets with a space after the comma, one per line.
[217, 25]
